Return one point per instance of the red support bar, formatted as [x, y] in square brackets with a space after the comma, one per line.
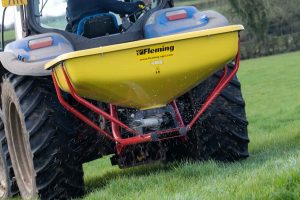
[223, 77]
[115, 129]
[178, 115]
[76, 112]
[220, 86]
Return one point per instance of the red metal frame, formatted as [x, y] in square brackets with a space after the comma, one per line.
[116, 125]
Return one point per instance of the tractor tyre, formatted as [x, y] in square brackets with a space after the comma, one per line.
[89, 143]
[8, 184]
[38, 133]
[221, 132]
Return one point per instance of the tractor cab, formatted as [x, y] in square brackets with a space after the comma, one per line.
[89, 22]
[41, 31]
[39, 16]
[98, 25]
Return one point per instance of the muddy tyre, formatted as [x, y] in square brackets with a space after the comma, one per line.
[38, 133]
[8, 184]
[221, 133]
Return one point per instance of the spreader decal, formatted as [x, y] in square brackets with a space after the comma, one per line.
[155, 52]
[145, 51]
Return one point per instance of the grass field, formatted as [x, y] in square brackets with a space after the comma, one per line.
[271, 87]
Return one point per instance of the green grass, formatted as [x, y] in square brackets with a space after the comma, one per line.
[9, 35]
[271, 88]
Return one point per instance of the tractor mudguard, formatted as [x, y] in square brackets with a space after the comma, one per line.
[28, 56]
[10, 62]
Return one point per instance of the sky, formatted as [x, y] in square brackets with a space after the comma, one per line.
[52, 8]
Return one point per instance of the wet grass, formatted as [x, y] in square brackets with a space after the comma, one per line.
[271, 88]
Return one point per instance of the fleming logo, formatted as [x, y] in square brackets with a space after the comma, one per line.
[141, 52]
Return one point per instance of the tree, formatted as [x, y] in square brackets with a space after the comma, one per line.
[254, 14]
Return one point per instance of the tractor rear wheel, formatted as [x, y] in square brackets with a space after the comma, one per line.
[221, 133]
[8, 184]
[38, 132]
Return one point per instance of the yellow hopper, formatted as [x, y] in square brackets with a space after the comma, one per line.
[147, 73]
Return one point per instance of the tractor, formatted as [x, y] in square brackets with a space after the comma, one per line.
[158, 85]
